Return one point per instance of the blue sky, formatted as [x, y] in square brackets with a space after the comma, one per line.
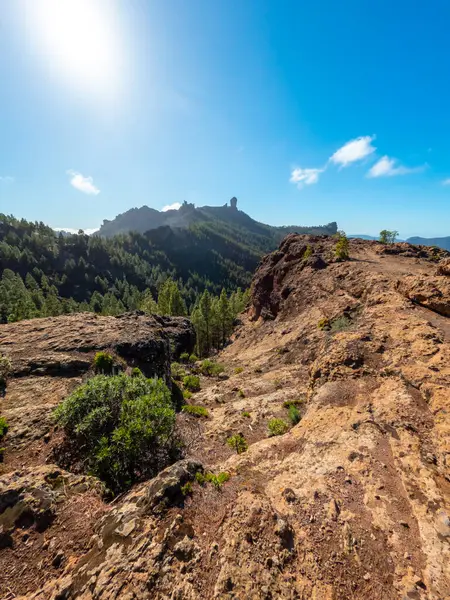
[307, 112]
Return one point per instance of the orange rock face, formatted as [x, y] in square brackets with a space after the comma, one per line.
[353, 501]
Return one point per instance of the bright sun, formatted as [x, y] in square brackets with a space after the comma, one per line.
[79, 40]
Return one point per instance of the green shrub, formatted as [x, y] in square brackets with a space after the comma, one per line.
[246, 414]
[238, 442]
[122, 427]
[103, 363]
[238, 370]
[5, 369]
[307, 253]
[177, 371]
[187, 395]
[3, 427]
[241, 394]
[186, 489]
[334, 325]
[193, 358]
[277, 427]
[217, 480]
[258, 370]
[197, 411]
[323, 323]
[200, 478]
[341, 250]
[192, 383]
[184, 357]
[294, 414]
[136, 372]
[210, 368]
[340, 324]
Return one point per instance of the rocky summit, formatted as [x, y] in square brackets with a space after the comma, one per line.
[347, 496]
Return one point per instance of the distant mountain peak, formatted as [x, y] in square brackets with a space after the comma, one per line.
[145, 219]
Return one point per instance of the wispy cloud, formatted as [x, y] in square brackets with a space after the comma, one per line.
[6, 179]
[174, 206]
[72, 230]
[353, 151]
[305, 176]
[387, 167]
[83, 184]
[446, 182]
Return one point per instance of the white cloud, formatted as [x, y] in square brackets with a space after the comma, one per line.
[6, 179]
[83, 184]
[446, 182]
[386, 167]
[353, 151]
[305, 176]
[72, 230]
[174, 206]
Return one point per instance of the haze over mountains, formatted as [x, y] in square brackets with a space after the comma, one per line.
[441, 242]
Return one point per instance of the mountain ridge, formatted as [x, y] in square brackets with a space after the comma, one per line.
[441, 242]
[146, 219]
[43, 273]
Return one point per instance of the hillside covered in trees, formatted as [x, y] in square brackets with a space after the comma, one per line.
[200, 270]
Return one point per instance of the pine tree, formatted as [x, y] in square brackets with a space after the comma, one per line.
[341, 250]
[164, 298]
[215, 324]
[199, 325]
[96, 302]
[52, 305]
[15, 297]
[205, 313]
[148, 304]
[225, 317]
[177, 306]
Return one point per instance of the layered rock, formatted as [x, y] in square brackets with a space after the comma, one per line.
[50, 357]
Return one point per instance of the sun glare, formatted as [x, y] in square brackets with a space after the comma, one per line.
[79, 40]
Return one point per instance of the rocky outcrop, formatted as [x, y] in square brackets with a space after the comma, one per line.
[352, 501]
[50, 356]
[272, 282]
[125, 540]
[64, 346]
[363, 480]
[32, 495]
[431, 292]
[443, 267]
[46, 521]
[47, 515]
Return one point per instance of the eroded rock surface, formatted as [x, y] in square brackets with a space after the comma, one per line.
[51, 356]
[351, 502]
